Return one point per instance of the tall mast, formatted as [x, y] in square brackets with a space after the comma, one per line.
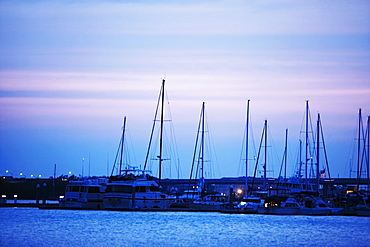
[359, 144]
[202, 144]
[265, 163]
[161, 133]
[122, 144]
[286, 153]
[246, 150]
[199, 153]
[318, 153]
[300, 159]
[368, 150]
[306, 152]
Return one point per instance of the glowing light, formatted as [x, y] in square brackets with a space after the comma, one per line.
[3, 196]
[7, 171]
[239, 191]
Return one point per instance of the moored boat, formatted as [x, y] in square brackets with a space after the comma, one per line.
[280, 205]
[311, 205]
[203, 199]
[212, 202]
[363, 211]
[87, 194]
[134, 188]
[250, 204]
[137, 193]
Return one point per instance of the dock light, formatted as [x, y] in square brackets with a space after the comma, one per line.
[239, 191]
[31, 176]
[61, 197]
[15, 198]
[3, 196]
[7, 171]
[39, 176]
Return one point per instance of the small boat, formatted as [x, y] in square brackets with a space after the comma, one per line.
[311, 205]
[87, 194]
[362, 210]
[280, 205]
[190, 195]
[250, 204]
[183, 201]
[212, 202]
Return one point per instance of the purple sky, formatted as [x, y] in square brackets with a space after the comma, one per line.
[70, 71]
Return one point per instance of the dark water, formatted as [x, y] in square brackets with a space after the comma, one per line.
[34, 227]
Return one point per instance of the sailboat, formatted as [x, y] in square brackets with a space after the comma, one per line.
[302, 192]
[135, 189]
[250, 202]
[363, 208]
[301, 183]
[309, 199]
[206, 200]
[278, 202]
[274, 203]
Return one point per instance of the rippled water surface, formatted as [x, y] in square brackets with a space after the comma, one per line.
[34, 227]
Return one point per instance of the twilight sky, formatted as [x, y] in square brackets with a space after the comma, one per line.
[71, 70]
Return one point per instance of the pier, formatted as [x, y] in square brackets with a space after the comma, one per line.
[26, 189]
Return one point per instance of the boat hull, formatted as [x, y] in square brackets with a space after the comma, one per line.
[122, 203]
[208, 206]
[363, 211]
[315, 211]
[81, 205]
[278, 210]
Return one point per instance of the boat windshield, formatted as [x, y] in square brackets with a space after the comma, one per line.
[140, 189]
[257, 200]
[73, 188]
[94, 189]
[119, 188]
[154, 188]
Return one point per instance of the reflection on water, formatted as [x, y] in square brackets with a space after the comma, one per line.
[35, 227]
[31, 201]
